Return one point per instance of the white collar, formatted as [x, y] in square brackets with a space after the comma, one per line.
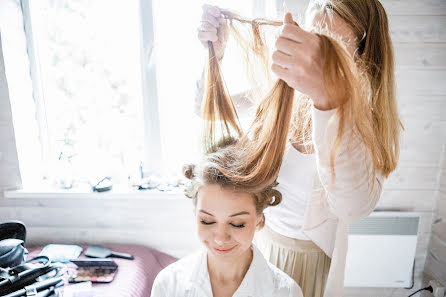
[251, 285]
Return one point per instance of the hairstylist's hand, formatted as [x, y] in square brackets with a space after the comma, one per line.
[213, 28]
[298, 60]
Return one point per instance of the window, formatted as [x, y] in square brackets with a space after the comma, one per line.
[113, 85]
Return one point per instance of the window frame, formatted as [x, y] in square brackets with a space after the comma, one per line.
[153, 156]
[152, 161]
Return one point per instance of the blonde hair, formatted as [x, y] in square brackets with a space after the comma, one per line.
[250, 161]
[373, 111]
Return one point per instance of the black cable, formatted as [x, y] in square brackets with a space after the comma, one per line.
[429, 288]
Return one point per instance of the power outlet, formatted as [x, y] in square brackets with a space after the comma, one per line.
[437, 288]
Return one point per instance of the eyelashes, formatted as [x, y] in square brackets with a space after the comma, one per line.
[233, 225]
[238, 226]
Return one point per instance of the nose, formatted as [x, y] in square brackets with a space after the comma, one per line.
[221, 235]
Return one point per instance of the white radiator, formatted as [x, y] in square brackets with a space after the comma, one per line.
[382, 251]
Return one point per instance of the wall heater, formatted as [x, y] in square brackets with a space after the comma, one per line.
[382, 251]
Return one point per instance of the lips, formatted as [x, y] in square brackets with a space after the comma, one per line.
[223, 250]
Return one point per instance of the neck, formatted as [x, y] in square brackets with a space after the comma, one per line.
[227, 270]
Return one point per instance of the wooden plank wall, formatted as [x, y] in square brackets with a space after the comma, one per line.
[418, 30]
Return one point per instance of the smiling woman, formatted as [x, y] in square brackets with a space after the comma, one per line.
[227, 220]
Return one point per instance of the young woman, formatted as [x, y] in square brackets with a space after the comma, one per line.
[229, 264]
[344, 137]
[230, 188]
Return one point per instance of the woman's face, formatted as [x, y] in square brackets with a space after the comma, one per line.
[227, 221]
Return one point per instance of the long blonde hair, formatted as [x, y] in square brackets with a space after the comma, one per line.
[374, 114]
[250, 161]
[369, 107]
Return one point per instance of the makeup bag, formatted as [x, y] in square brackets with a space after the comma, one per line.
[12, 243]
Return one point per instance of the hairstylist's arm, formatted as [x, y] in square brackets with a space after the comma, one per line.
[298, 60]
[353, 193]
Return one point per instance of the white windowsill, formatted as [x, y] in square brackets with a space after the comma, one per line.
[76, 194]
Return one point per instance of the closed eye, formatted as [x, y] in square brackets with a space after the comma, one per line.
[206, 223]
[238, 226]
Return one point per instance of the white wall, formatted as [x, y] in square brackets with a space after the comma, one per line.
[9, 167]
[419, 33]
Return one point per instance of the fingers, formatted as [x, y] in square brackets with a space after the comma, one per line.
[287, 46]
[293, 32]
[207, 27]
[288, 18]
[211, 19]
[211, 24]
[223, 31]
[291, 29]
[204, 37]
[213, 10]
[281, 72]
[282, 59]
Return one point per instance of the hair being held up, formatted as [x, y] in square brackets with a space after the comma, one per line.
[250, 160]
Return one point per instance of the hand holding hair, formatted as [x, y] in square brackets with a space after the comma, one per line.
[298, 60]
[213, 28]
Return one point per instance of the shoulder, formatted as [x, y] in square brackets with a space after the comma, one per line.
[182, 266]
[283, 283]
[175, 274]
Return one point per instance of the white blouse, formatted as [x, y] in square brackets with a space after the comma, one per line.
[189, 277]
[295, 184]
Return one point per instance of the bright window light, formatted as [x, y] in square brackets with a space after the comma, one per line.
[88, 53]
[92, 115]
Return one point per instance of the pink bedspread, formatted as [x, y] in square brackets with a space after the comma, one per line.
[134, 278]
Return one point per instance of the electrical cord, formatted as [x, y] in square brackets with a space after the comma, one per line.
[429, 288]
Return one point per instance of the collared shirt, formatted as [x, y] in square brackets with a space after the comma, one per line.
[189, 277]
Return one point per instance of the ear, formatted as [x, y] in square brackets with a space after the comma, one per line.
[261, 222]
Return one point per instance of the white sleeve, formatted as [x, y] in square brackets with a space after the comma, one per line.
[354, 193]
[160, 286]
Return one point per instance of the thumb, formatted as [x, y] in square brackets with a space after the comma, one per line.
[288, 18]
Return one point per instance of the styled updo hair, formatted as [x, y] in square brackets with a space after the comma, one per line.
[210, 172]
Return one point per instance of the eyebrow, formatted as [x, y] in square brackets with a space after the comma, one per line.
[233, 215]
[240, 213]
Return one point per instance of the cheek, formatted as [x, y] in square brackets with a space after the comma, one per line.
[203, 231]
[245, 235]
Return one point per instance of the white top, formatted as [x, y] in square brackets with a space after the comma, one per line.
[189, 277]
[295, 183]
[333, 206]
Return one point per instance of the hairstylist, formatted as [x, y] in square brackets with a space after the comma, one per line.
[342, 146]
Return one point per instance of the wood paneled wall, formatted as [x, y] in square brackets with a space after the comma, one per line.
[418, 30]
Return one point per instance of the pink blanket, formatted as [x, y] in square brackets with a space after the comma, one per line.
[134, 278]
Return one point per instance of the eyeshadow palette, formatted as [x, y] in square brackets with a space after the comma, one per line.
[94, 270]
